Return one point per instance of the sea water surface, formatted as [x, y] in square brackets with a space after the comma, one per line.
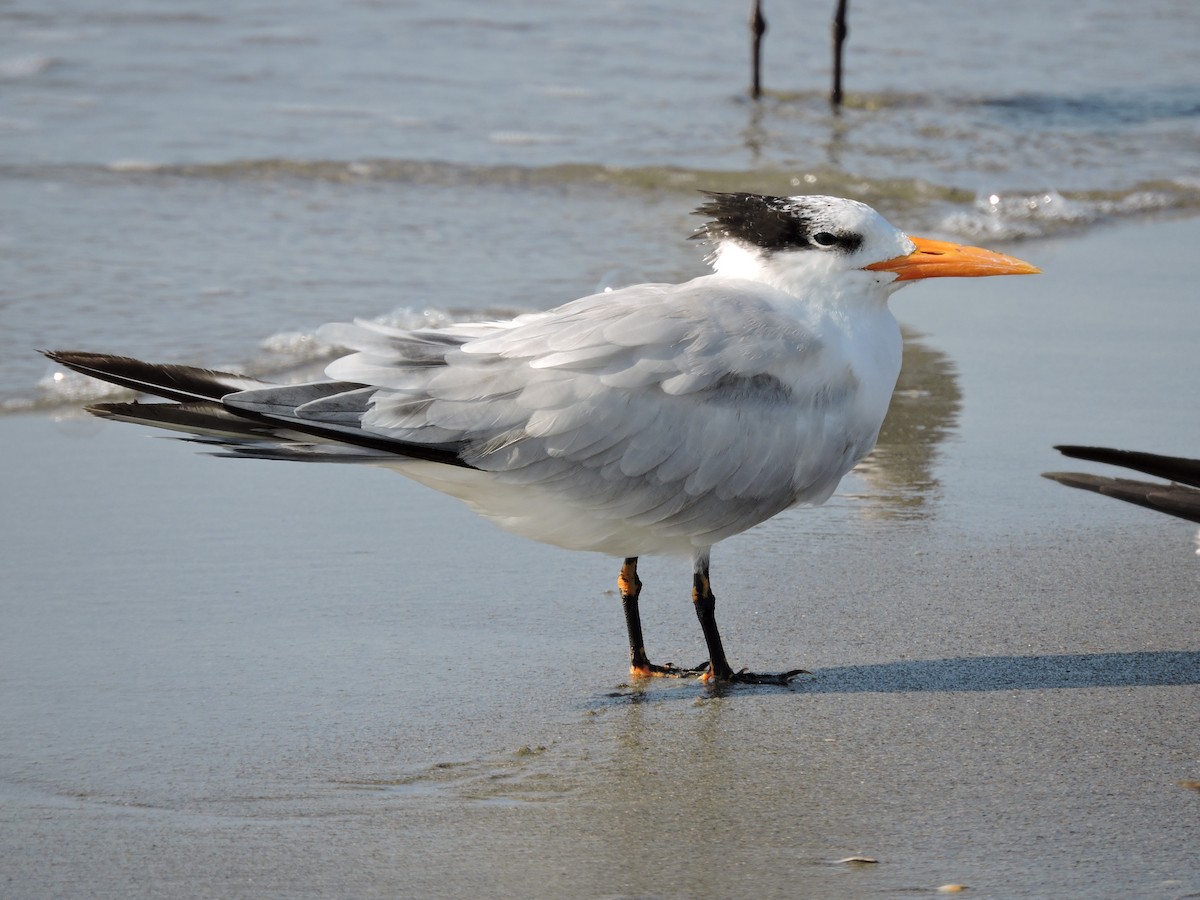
[212, 183]
[224, 679]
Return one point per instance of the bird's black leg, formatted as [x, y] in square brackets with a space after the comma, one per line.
[758, 27]
[630, 587]
[706, 604]
[639, 664]
[719, 669]
[840, 30]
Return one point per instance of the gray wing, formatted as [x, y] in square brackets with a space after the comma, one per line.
[691, 409]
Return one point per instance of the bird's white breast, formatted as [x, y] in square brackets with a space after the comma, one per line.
[850, 388]
[649, 462]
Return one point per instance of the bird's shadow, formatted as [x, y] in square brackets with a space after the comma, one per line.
[1011, 673]
[1152, 668]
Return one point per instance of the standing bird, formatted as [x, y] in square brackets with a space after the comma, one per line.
[654, 419]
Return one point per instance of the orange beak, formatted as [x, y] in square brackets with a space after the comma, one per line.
[938, 259]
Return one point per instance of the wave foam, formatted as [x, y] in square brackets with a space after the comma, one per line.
[995, 216]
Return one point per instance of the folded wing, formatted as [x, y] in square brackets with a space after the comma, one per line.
[680, 409]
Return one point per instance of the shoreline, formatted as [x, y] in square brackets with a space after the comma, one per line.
[235, 678]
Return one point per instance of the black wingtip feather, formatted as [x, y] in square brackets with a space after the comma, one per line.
[1177, 500]
[204, 417]
[173, 382]
[1174, 468]
[200, 391]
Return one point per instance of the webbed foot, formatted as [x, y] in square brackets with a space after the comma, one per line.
[744, 677]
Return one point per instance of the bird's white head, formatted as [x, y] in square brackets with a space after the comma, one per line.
[827, 247]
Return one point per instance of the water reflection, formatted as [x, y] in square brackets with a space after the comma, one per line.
[713, 798]
[755, 136]
[673, 778]
[899, 475]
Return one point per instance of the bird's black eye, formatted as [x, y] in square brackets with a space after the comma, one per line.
[824, 239]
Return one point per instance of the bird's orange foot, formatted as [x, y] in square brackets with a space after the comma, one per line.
[650, 670]
[744, 677]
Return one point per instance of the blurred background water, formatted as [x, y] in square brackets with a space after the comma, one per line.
[212, 182]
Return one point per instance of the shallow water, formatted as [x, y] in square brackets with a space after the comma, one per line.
[212, 185]
[247, 679]
[629, 84]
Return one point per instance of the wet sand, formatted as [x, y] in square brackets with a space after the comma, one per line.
[237, 679]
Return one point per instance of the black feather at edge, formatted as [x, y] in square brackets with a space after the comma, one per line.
[187, 384]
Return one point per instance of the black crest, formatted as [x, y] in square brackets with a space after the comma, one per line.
[772, 223]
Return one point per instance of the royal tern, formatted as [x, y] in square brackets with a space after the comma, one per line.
[654, 419]
[1179, 498]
